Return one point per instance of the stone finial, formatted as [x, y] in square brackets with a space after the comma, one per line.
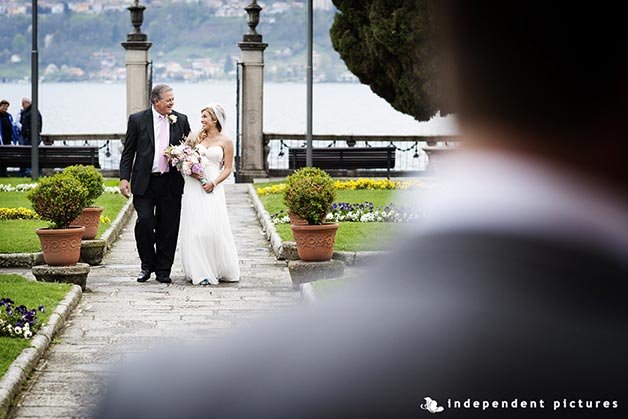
[252, 19]
[137, 18]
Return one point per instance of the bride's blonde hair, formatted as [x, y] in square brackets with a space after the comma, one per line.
[197, 139]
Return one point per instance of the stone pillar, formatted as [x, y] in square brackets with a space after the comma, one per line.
[136, 47]
[253, 163]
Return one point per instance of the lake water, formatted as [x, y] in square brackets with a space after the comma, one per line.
[339, 108]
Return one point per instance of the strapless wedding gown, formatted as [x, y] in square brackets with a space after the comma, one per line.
[207, 247]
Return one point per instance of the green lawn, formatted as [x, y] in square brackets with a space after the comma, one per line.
[350, 236]
[18, 180]
[18, 236]
[31, 294]
[14, 200]
[15, 180]
[355, 237]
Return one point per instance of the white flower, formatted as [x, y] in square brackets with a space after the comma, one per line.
[367, 218]
[23, 187]
[172, 118]
[281, 220]
[27, 334]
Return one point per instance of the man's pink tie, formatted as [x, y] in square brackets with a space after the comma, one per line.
[163, 143]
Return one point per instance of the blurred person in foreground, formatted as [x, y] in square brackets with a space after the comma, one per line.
[512, 290]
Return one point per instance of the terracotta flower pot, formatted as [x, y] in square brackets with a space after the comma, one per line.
[315, 243]
[61, 247]
[90, 218]
[295, 219]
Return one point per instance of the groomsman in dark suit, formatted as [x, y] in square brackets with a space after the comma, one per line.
[156, 187]
[509, 300]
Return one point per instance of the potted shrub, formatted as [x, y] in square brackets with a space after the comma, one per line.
[92, 180]
[309, 194]
[290, 180]
[59, 199]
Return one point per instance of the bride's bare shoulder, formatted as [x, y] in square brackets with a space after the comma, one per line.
[224, 139]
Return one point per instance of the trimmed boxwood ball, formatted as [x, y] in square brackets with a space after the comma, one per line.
[59, 199]
[310, 193]
[90, 178]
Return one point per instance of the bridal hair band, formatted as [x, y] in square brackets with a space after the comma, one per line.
[219, 111]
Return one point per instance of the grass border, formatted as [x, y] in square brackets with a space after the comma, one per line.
[28, 260]
[20, 370]
[287, 250]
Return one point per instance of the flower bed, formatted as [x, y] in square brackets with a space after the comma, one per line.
[27, 294]
[18, 214]
[361, 213]
[353, 185]
[18, 221]
[22, 187]
[18, 321]
[353, 236]
[25, 187]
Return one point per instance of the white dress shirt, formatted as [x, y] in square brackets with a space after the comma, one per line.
[491, 191]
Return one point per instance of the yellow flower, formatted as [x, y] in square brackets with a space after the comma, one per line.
[352, 185]
[18, 214]
[273, 189]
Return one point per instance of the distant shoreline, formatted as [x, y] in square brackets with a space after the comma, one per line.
[339, 108]
[28, 83]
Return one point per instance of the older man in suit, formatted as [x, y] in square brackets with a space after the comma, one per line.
[156, 187]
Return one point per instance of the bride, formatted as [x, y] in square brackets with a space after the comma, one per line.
[208, 251]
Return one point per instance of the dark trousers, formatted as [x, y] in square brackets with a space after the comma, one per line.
[157, 227]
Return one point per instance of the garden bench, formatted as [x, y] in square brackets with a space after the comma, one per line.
[49, 156]
[344, 158]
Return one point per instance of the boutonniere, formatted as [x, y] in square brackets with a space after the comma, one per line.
[172, 118]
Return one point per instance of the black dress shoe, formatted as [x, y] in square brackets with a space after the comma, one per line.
[143, 276]
[164, 279]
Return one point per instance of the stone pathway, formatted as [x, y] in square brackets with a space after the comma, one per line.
[118, 317]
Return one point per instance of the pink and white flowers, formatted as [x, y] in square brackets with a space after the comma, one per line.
[186, 159]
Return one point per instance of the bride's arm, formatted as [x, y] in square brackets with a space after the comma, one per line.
[227, 146]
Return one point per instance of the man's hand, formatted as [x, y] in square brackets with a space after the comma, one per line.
[125, 189]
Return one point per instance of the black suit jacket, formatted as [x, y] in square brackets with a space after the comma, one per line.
[139, 149]
[479, 316]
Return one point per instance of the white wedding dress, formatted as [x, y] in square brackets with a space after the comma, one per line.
[207, 247]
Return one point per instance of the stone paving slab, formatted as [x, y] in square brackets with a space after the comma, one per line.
[118, 318]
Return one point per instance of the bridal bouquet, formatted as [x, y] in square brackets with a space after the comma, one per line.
[186, 159]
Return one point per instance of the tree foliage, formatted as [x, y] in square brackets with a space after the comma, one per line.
[386, 44]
